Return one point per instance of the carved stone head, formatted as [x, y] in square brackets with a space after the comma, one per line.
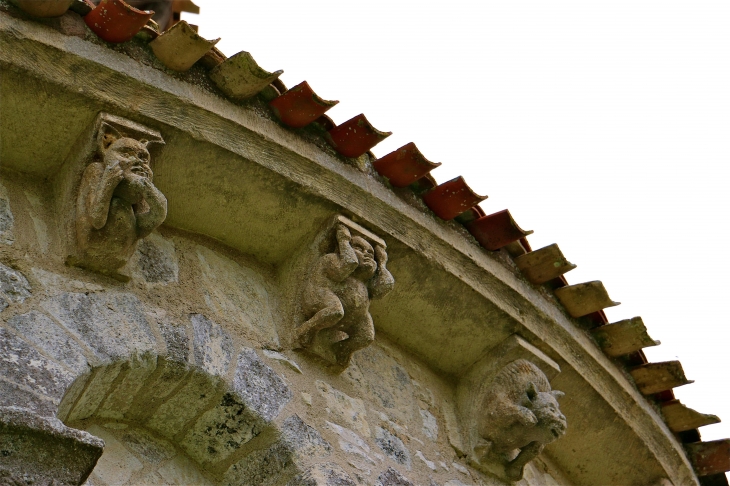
[507, 408]
[133, 158]
[365, 258]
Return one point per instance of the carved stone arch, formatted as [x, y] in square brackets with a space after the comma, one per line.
[168, 420]
[106, 361]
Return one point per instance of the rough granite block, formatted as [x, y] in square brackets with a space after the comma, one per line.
[112, 324]
[51, 338]
[393, 447]
[212, 346]
[262, 390]
[155, 260]
[12, 395]
[100, 384]
[6, 220]
[176, 341]
[14, 287]
[268, 467]
[192, 399]
[22, 364]
[327, 474]
[392, 477]
[220, 431]
[128, 386]
[41, 450]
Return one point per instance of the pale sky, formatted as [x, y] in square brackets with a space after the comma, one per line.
[604, 128]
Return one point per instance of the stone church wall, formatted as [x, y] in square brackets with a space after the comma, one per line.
[186, 373]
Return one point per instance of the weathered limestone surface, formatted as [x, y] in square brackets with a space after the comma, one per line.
[104, 321]
[238, 295]
[298, 445]
[155, 261]
[21, 364]
[14, 287]
[41, 450]
[43, 332]
[261, 388]
[212, 346]
[185, 370]
[6, 218]
[328, 474]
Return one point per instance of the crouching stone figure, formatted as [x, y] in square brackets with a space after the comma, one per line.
[117, 204]
[337, 294]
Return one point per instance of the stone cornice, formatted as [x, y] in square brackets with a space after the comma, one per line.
[121, 84]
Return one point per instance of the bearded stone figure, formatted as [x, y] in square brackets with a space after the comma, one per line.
[336, 297]
[117, 204]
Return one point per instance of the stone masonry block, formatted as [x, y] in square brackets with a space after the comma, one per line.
[262, 390]
[155, 260]
[176, 340]
[51, 338]
[22, 364]
[327, 474]
[100, 384]
[12, 394]
[168, 379]
[345, 409]
[268, 467]
[263, 467]
[112, 324]
[304, 439]
[239, 296]
[221, 431]
[393, 447]
[41, 450]
[6, 219]
[212, 346]
[392, 477]
[188, 402]
[128, 385]
[14, 287]
[354, 445]
[72, 395]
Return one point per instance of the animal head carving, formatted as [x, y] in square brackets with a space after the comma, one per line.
[519, 415]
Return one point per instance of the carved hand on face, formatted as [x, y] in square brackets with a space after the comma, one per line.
[381, 256]
[131, 158]
[365, 258]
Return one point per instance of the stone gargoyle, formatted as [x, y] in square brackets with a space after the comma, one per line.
[337, 293]
[117, 204]
[517, 415]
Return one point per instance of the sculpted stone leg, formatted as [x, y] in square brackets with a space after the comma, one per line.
[359, 337]
[515, 468]
[330, 313]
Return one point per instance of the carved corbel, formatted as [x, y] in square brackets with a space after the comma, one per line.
[347, 270]
[507, 409]
[116, 203]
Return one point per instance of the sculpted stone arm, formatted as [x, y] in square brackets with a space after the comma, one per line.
[157, 212]
[97, 189]
[382, 282]
[341, 264]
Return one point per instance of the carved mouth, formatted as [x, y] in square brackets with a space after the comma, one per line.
[555, 433]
